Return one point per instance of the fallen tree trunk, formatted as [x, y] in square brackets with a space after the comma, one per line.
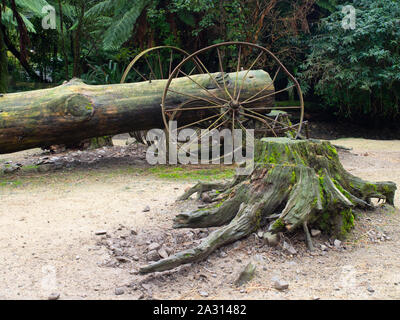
[294, 184]
[76, 111]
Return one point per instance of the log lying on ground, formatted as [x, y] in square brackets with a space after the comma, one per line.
[294, 184]
[76, 111]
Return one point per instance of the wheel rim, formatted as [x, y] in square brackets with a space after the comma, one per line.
[157, 68]
[232, 102]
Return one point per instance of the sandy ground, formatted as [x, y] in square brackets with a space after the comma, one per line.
[48, 243]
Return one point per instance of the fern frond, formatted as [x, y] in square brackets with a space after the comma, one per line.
[121, 29]
[35, 7]
[101, 8]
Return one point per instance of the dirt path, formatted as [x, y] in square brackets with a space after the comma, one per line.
[48, 243]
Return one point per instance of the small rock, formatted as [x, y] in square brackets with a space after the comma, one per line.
[259, 258]
[246, 275]
[260, 234]
[123, 259]
[203, 293]
[163, 253]
[100, 232]
[206, 198]
[10, 169]
[289, 248]
[272, 239]
[281, 285]
[223, 254]
[119, 291]
[154, 246]
[153, 256]
[146, 209]
[54, 296]
[45, 167]
[337, 243]
[315, 232]
[370, 289]
[133, 232]
[324, 247]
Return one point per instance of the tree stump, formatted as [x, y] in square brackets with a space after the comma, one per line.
[294, 184]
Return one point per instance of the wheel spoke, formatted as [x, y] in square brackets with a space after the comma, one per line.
[151, 69]
[266, 87]
[196, 108]
[275, 108]
[170, 64]
[260, 119]
[199, 121]
[205, 89]
[223, 74]
[237, 71]
[159, 60]
[265, 117]
[193, 97]
[212, 125]
[209, 74]
[206, 132]
[137, 71]
[268, 95]
[245, 75]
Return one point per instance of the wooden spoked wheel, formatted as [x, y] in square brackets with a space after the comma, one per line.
[152, 64]
[228, 65]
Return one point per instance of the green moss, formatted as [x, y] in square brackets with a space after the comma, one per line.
[369, 188]
[332, 149]
[321, 190]
[219, 203]
[278, 224]
[324, 221]
[293, 178]
[258, 217]
[273, 157]
[340, 188]
[347, 222]
[179, 173]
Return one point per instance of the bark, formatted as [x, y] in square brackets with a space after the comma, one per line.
[76, 111]
[63, 41]
[3, 66]
[77, 42]
[22, 60]
[294, 184]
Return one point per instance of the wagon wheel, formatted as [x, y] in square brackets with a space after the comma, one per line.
[152, 64]
[265, 111]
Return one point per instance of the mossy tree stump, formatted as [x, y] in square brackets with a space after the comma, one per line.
[295, 183]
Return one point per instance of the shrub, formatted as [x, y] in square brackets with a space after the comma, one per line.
[357, 72]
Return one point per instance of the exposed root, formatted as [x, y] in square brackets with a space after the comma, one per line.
[295, 183]
[309, 242]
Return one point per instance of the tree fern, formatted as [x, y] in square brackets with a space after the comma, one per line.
[35, 7]
[102, 8]
[124, 14]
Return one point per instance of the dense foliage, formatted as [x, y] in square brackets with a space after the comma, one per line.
[346, 71]
[357, 72]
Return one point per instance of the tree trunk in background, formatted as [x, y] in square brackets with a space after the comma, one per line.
[24, 63]
[63, 41]
[3, 66]
[75, 111]
[77, 43]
